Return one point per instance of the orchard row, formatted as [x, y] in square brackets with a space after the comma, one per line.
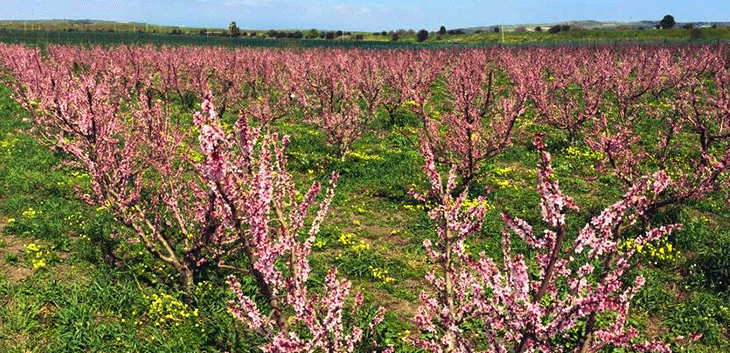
[656, 117]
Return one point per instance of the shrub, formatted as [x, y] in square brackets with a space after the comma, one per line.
[422, 35]
[312, 34]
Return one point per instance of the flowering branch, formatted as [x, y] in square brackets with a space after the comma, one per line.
[519, 312]
[266, 217]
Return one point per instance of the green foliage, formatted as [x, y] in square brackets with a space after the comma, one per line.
[667, 22]
[312, 34]
[233, 30]
[422, 35]
[11, 258]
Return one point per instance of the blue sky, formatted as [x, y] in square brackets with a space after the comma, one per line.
[363, 15]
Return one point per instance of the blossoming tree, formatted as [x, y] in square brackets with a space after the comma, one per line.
[549, 304]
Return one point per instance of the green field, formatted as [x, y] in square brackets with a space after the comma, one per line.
[156, 35]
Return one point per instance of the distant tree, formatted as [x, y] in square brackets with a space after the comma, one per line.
[554, 29]
[203, 32]
[330, 35]
[233, 30]
[688, 26]
[338, 34]
[383, 33]
[312, 34]
[394, 36]
[564, 28]
[667, 22]
[422, 35]
[538, 29]
[496, 29]
[442, 30]
[359, 37]
[297, 35]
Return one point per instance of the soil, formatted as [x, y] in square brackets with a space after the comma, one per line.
[12, 271]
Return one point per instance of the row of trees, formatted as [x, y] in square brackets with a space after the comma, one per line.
[235, 31]
[422, 35]
[341, 91]
[214, 196]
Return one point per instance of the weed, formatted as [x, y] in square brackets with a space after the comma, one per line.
[11, 259]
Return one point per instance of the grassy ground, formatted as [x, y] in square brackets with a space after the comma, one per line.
[67, 285]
